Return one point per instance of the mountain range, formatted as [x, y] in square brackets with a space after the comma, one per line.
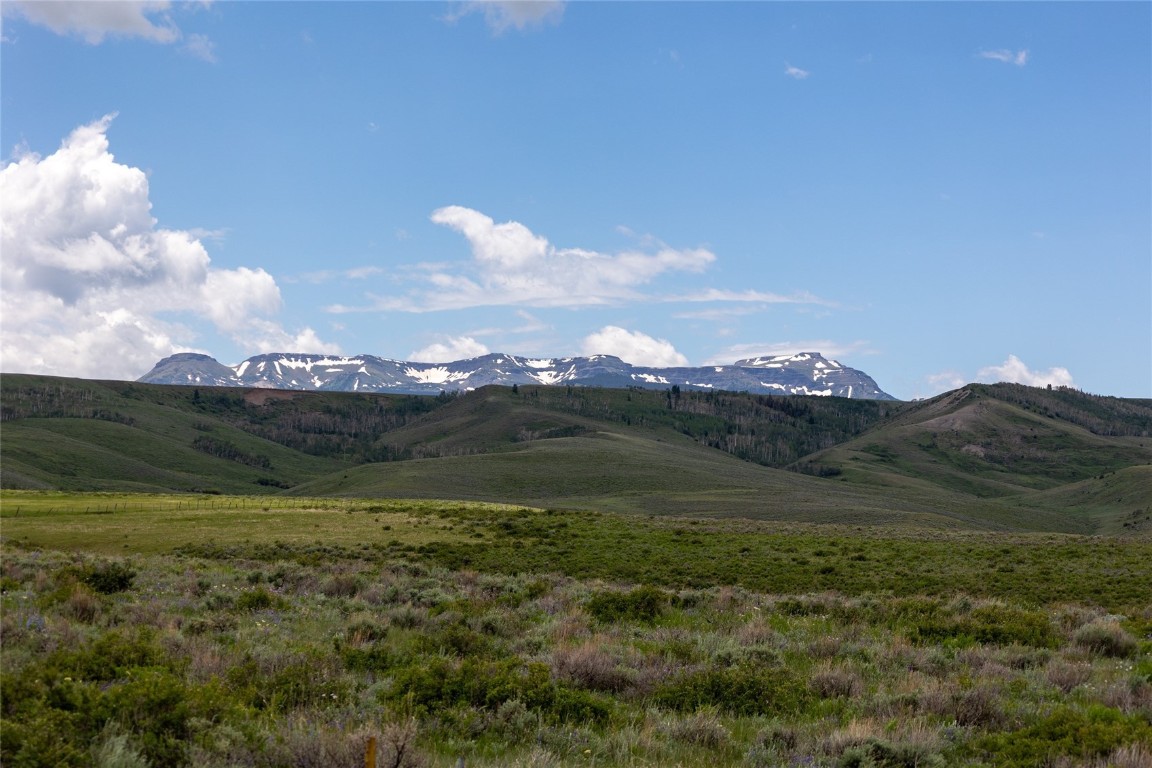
[807, 373]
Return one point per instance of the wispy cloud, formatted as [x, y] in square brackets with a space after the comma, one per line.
[328, 275]
[826, 347]
[721, 313]
[503, 15]
[513, 266]
[795, 72]
[201, 48]
[750, 296]
[531, 324]
[1019, 58]
[945, 381]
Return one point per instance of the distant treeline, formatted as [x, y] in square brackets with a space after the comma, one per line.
[1100, 415]
[59, 401]
[766, 429]
[226, 450]
[342, 425]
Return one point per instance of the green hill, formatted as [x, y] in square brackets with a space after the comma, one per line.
[72, 434]
[998, 440]
[997, 457]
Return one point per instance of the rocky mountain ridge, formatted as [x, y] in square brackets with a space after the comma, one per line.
[807, 373]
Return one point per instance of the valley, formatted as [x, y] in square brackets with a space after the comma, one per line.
[541, 577]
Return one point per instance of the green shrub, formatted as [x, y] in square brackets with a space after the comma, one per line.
[741, 690]
[108, 577]
[107, 658]
[292, 682]
[1105, 638]
[990, 624]
[1066, 732]
[643, 604]
[441, 684]
[259, 599]
[881, 754]
[153, 704]
[49, 739]
[454, 639]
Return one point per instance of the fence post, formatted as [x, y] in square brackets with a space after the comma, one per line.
[370, 753]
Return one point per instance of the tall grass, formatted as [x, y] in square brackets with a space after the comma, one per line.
[237, 661]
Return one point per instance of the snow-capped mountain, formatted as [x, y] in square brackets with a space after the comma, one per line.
[804, 374]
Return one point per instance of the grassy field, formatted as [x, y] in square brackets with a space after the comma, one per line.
[273, 631]
[779, 557]
[566, 577]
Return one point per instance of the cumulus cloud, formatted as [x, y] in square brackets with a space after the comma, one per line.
[1013, 370]
[512, 266]
[826, 347]
[95, 21]
[503, 15]
[633, 347]
[450, 350]
[93, 287]
[1019, 58]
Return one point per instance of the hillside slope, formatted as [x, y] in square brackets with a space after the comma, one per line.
[997, 441]
[72, 434]
[987, 457]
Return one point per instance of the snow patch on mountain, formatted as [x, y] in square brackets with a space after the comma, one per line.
[801, 374]
[438, 375]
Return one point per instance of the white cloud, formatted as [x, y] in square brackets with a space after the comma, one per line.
[760, 297]
[328, 275]
[512, 266]
[92, 287]
[1015, 371]
[795, 72]
[633, 347]
[95, 21]
[720, 314]
[827, 348]
[502, 15]
[531, 324]
[201, 47]
[449, 351]
[1019, 58]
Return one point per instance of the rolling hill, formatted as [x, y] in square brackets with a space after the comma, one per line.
[998, 457]
[998, 440]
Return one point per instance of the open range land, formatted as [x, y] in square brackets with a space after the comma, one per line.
[567, 576]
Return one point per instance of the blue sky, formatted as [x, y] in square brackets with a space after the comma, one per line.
[934, 193]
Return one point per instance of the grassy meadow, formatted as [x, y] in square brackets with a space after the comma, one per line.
[214, 630]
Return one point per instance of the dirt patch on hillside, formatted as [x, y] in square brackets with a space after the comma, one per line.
[958, 420]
